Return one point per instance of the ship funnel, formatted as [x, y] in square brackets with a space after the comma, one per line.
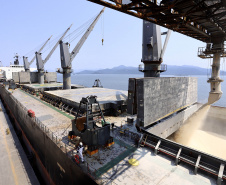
[215, 81]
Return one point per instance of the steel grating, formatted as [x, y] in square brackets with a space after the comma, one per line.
[204, 20]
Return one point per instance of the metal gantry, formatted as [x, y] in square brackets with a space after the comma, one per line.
[204, 20]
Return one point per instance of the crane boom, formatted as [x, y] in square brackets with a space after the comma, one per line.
[40, 50]
[25, 59]
[165, 43]
[54, 48]
[84, 37]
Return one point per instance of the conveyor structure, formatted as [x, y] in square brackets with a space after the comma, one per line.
[203, 20]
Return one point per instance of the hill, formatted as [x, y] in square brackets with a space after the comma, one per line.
[171, 70]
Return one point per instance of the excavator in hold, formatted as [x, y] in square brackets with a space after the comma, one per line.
[40, 63]
[67, 57]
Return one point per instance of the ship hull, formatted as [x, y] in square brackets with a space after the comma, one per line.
[53, 163]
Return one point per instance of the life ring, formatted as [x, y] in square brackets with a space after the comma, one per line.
[77, 159]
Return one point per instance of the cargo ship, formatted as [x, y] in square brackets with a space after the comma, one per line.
[123, 133]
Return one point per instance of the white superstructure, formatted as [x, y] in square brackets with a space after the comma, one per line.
[13, 68]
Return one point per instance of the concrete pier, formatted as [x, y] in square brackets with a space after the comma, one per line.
[14, 165]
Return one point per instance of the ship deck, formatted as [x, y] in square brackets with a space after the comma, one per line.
[14, 165]
[111, 164]
[46, 86]
[104, 95]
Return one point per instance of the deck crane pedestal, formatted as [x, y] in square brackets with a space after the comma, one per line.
[25, 59]
[67, 57]
[152, 51]
[40, 63]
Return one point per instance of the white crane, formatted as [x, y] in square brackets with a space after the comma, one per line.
[40, 63]
[25, 59]
[67, 57]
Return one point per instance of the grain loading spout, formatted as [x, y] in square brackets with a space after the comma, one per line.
[215, 81]
[214, 50]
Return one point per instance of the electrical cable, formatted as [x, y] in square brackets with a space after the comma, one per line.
[85, 25]
[81, 31]
[33, 50]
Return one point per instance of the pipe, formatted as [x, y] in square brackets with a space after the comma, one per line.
[215, 86]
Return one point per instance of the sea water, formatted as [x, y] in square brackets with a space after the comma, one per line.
[120, 82]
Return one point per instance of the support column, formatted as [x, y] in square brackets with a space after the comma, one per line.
[151, 70]
[215, 86]
[41, 77]
[66, 78]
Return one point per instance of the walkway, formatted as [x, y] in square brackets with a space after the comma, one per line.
[15, 168]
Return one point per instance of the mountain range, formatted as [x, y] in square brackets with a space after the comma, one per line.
[184, 70]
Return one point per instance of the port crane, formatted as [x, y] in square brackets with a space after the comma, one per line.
[67, 57]
[152, 51]
[25, 59]
[40, 63]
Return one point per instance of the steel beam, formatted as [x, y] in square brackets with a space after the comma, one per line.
[197, 164]
[157, 147]
[179, 12]
[177, 160]
[220, 174]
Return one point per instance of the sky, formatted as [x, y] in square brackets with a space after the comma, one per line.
[26, 24]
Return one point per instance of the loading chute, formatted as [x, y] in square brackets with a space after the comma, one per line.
[214, 50]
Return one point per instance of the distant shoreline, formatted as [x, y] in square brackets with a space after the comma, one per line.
[171, 70]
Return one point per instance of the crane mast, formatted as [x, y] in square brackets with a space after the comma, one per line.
[152, 51]
[40, 63]
[25, 59]
[67, 57]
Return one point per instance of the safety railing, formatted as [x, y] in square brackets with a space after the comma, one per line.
[42, 126]
[93, 173]
[197, 159]
[204, 52]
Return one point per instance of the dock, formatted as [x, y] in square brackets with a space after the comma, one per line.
[15, 168]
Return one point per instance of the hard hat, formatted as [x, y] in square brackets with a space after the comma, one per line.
[80, 143]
